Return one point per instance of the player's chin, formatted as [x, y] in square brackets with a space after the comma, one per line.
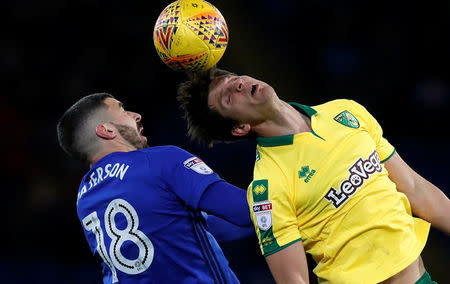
[141, 143]
[270, 94]
[265, 95]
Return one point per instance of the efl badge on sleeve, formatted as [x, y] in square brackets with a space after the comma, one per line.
[198, 166]
[263, 214]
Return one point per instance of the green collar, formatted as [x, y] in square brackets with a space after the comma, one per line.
[285, 139]
[307, 109]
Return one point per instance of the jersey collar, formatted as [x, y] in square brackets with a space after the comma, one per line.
[285, 139]
[309, 111]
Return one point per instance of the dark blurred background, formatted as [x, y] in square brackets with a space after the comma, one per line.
[391, 56]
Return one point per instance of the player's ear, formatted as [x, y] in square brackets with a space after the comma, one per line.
[241, 129]
[105, 131]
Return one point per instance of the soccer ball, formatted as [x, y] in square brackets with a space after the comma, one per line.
[190, 35]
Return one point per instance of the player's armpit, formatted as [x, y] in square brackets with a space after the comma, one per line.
[427, 201]
[289, 265]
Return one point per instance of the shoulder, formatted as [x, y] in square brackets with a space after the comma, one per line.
[337, 104]
[343, 108]
[272, 163]
[163, 150]
[166, 153]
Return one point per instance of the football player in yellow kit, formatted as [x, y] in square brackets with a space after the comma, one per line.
[325, 182]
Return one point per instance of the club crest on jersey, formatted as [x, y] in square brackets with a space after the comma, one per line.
[263, 214]
[347, 119]
[198, 166]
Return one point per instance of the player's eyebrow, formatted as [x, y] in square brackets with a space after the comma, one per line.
[218, 92]
[216, 81]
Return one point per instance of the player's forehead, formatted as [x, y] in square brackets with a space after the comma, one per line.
[215, 90]
[219, 80]
[113, 103]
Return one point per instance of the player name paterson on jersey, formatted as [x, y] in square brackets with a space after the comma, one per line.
[102, 173]
[360, 171]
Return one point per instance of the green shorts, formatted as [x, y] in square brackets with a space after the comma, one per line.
[425, 279]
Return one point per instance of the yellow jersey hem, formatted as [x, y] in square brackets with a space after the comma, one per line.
[416, 252]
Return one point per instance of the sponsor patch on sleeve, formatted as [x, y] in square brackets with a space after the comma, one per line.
[198, 166]
[263, 214]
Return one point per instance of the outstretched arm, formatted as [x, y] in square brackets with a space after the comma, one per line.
[225, 231]
[289, 265]
[230, 217]
[427, 201]
[227, 202]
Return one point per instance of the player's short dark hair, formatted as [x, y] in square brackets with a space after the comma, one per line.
[69, 127]
[204, 125]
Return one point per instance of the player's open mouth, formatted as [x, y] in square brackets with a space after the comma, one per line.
[141, 132]
[254, 88]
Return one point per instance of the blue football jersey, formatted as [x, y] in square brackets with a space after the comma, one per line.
[140, 215]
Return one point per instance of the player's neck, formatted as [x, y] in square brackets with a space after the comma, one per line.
[109, 149]
[284, 121]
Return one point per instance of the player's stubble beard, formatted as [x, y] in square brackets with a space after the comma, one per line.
[131, 136]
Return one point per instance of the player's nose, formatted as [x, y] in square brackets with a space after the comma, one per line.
[136, 116]
[239, 85]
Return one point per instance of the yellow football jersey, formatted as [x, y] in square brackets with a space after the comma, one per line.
[329, 188]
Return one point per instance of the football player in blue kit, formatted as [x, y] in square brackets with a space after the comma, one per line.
[143, 208]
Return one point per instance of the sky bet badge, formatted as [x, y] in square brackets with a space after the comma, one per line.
[198, 166]
[263, 214]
